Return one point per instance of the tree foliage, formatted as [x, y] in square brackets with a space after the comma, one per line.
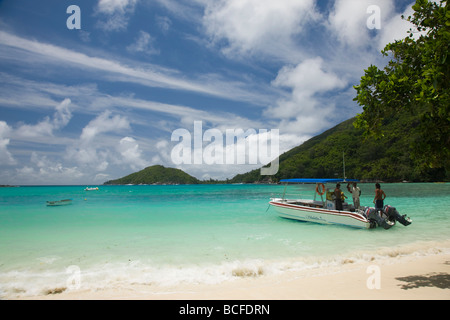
[415, 81]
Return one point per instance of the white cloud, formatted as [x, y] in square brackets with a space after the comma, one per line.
[94, 148]
[88, 157]
[257, 26]
[163, 150]
[99, 147]
[39, 130]
[144, 43]
[307, 77]
[103, 123]
[152, 76]
[308, 82]
[47, 171]
[185, 115]
[85, 36]
[25, 171]
[348, 21]
[164, 24]
[131, 154]
[116, 14]
[63, 114]
[5, 156]
[45, 128]
[112, 6]
[21, 93]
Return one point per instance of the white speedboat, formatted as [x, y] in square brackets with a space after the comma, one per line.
[90, 188]
[322, 209]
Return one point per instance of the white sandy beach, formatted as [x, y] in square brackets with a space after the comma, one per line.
[401, 278]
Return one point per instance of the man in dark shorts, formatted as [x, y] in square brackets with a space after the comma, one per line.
[379, 197]
[338, 197]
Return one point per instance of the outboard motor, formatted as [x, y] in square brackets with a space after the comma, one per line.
[375, 219]
[393, 215]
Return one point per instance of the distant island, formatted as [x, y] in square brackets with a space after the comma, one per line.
[156, 174]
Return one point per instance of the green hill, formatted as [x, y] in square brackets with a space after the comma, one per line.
[387, 159]
[156, 175]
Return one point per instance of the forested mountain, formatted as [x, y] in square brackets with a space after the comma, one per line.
[386, 159]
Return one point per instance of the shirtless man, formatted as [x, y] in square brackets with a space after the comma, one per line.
[379, 197]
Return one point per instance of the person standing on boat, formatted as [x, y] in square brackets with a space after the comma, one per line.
[356, 192]
[338, 197]
[379, 197]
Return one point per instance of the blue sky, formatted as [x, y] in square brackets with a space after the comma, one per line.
[82, 106]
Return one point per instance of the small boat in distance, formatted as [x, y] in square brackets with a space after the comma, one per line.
[324, 210]
[59, 202]
[90, 189]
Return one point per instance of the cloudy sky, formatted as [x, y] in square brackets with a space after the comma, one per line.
[91, 97]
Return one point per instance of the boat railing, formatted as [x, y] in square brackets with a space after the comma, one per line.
[295, 198]
[286, 196]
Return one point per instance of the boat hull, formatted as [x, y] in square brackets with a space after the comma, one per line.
[294, 211]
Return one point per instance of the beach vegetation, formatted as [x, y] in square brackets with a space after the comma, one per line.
[415, 84]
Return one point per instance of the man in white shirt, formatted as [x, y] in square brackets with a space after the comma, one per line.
[356, 192]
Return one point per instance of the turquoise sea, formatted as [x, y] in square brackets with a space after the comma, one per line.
[167, 235]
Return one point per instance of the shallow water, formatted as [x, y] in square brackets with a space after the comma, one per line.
[167, 235]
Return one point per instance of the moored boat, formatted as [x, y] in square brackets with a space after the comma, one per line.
[59, 202]
[324, 210]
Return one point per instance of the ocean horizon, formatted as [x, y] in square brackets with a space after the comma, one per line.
[168, 235]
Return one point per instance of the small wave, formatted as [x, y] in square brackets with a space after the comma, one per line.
[246, 272]
[16, 284]
[48, 260]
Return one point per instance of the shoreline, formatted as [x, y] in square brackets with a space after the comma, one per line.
[398, 278]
